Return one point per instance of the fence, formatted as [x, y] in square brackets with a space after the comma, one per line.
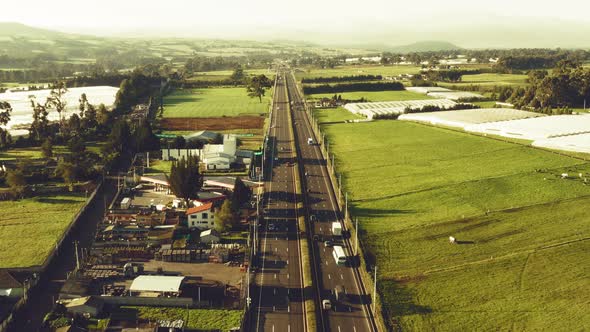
[342, 201]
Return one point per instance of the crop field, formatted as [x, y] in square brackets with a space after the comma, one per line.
[521, 229]
[215, 102]
[375, 95]
[334, 115]
[201, 319]
[219, 75]
[29, 228]
[491, 79]
[352, 70]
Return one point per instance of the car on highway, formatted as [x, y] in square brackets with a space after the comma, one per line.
[328, 243]
[326, 304]
[310, 141]
[313, 218]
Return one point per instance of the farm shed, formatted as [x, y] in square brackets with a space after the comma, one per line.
[163, 285]
[209, 236]
[10, 287]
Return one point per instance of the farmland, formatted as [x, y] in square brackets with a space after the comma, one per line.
[201, 319]
[375, 95]
[490, 79]
[29, 228]
[215, 102]
[521, 228]
[334, 115]
[358, 70]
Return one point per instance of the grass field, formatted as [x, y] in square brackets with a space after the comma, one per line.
[29, 228]
[522, 229]
[394, 70]
[491, 79]
[375, 95]
[35, 152]
[214, 102]
[202, 319]
[334, 114]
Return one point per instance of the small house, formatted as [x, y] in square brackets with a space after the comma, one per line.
[201, 216]
[209, 236]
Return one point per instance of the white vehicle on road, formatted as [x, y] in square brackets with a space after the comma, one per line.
[339, 255]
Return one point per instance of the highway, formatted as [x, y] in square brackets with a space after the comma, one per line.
[277, 292]
[352, 314]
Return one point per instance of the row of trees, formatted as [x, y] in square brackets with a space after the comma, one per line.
[360, 86]
[335, 79]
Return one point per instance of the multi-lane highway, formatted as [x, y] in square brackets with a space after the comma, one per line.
[353, 312]
[277, 292]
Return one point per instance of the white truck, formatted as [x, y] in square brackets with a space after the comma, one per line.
[336, 229]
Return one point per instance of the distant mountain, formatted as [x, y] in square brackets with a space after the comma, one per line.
[11, 29]
[424, 46]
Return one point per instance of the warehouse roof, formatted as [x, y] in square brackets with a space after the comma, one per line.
[156, 284]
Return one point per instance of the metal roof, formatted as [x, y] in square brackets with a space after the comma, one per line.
[156, 284]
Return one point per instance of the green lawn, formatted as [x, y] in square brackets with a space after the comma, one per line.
[204, 319]
[334, 115]
[159, 166]
[523, 229]
[375, 95]
[29, 228]
[35, 152]
[213, 102]
[491, 79]
[393, 70]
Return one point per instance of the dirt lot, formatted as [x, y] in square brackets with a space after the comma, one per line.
[221, 123]
[208, 271]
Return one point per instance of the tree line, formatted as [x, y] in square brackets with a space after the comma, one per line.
[336, 79]
[360, 86]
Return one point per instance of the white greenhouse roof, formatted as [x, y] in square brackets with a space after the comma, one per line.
[575, 143]
[463, 118]
[156, 284]
[427, 89]
[395, 107]
[455, 95]
[536, 128]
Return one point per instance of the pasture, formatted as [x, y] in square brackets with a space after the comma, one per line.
[519, 264]
[334, 115]
[201, 319]
[213, 102]
[29, 228]
[392, 70]
[375, 95]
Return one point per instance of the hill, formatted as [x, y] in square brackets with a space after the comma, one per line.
[425, 46]
[12, 29]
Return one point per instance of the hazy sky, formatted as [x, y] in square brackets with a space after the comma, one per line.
[307, 18]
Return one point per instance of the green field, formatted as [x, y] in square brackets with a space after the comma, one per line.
[202, 319]
[375, 95]
[491, 79]
[35, 152]
[29, 228]
[334, 115]
[523, 233]
[214, 102]
[352, 70]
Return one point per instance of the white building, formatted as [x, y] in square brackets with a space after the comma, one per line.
[163, 285]
[201, 217]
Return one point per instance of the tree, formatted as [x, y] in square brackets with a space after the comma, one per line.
[256, 86]
[40, 126]
[56, 100]
[144, 138]
[237, 76]
[240, 195]
[179, 142]
[67, 171]
[224, 217]
[186, 179]
[16, 181]
[76, 145]
[5, 138]
[47, 148]
[103, 115]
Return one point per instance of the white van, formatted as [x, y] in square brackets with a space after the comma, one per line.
[310, 141]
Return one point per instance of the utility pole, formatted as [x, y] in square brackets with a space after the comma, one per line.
[375, 293]
[356, 233]
[77, 258]
[346, 206]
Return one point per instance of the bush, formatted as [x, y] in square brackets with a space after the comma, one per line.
[361, 86]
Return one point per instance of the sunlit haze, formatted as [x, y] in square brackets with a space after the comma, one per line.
[368, 21]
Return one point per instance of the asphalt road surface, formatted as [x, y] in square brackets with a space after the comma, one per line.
[353, 313]
[277, 294]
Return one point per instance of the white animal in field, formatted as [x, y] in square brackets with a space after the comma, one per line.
[452, 239]
[564, 175]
